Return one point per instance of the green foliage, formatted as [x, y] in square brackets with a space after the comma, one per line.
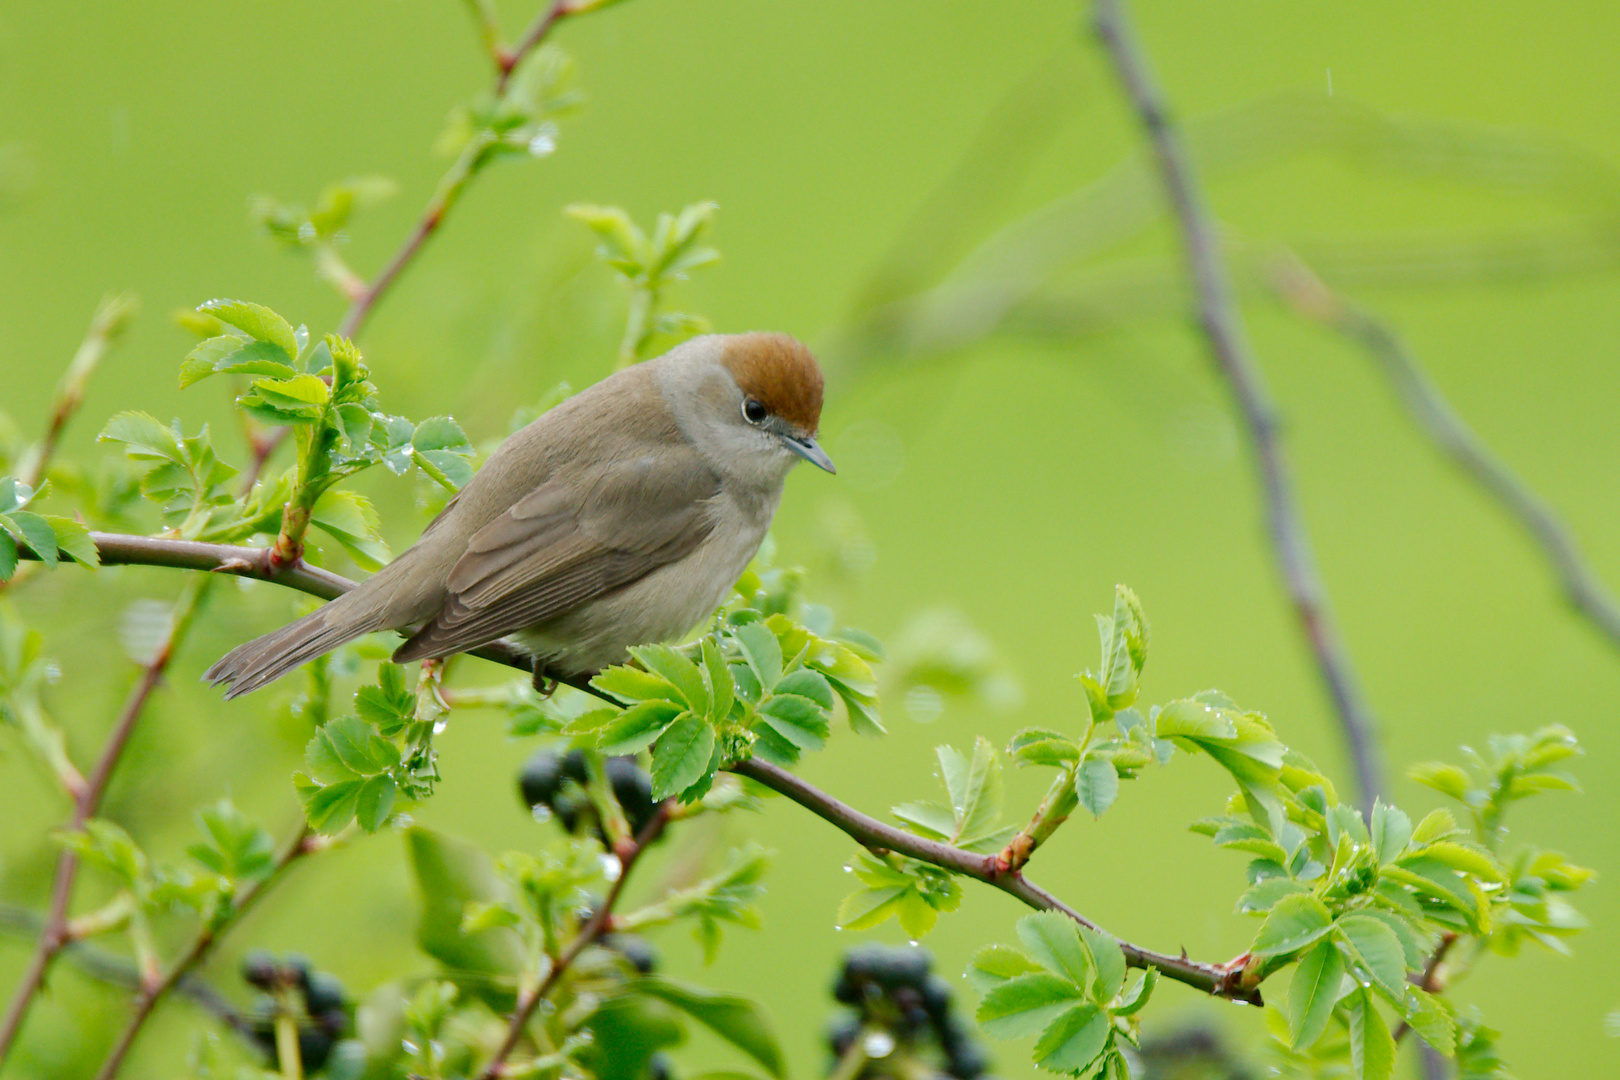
[357, 766]
[755, 685]
[49, 537]
[649, 265]
[1068, 985]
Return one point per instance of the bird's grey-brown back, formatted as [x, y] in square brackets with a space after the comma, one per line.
[618, 517]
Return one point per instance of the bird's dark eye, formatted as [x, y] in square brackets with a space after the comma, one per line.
[754, 411]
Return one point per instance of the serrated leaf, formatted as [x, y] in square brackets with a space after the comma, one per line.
[678, 671]
[762, 651]
[1313, 993]
[995, 964]
[807, 683]
[636, 727]
[1108, 962]
[1136, 998]
[722, 690]
[32, 531]
[866, 908]
[1195, 720]
[1446, 779]
[1073, 1041]
[1372, 1049]
[143, 436]
[359, 747]
[682, 755]
[633, 685]
[1053, 940]
[1096, 784]
[1026, 1004]
[329, 807]
[1375, 949]
[350, 519]
[1293, 923]
[1391, 832]
[797, 719]
[73, 540]
[374, 802]
[256, 320]
[1432, 1020]
[1437, 825]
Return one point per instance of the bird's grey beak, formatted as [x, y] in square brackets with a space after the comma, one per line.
[812, 452]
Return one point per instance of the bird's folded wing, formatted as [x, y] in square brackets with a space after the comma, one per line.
[567, 542]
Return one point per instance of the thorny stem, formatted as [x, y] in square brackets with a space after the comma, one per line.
[1585, 591]
[1223, 330]
[1219, 980]
[147, 998]
[87, 800]
[593, 929]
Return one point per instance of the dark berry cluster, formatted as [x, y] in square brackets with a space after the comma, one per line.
[891, 990]
[315, 998]
[557, 782]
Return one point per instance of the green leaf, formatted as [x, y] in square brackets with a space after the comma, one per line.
[633, 684]
[350, 519]
[1446, 779]
[1375, 949]
[735, 1019]
[1096, 784]
[329, 807]
[866, 908]
[358, 746]
[1136, 998]
[257, 321]
[375, 802]
[1073, 1040]
[678, 671]
[34, 532]
[1264, 894]
[1026, 1004]
[1293, 923]
[73, 540]
[143, 437]
[722, 690]
[440, 433]
[807, 683]
[682, 755]
[1391, 832]
[1108, 961]
[1313, 993]
[229, 354]
[636, 727]
[1437, 825]
[450, 874]
[1192, 719]
[8, 555]
[1372, 1049]
[1042, 746]
[762, 651]
[797, 719]
[995, 964]
[1054, 941]
[1431, 1018]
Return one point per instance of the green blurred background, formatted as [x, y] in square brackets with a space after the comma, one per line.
[1013, 481]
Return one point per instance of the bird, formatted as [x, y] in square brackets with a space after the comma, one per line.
[622, 516]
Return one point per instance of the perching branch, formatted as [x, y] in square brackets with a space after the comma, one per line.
[302, 843]
[86, 801]
[1428, 407]
[1218, 980]
[594, 928]
[1222, 327]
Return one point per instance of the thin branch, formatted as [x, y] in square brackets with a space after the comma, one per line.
[147, 999]
[1429, 981]
[455, 180]
[122, 549]
[1429, 409]
[593, 929]
[86, 801]
[1222, 327]
[106, 327]
[1219, 980]
[111, 968]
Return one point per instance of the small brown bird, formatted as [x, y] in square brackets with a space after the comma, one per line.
[620, 517]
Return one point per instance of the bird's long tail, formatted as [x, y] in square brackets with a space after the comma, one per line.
[250, 666]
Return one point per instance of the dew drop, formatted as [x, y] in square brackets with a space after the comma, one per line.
[544, 142]
[879, 1044]
[611, 866]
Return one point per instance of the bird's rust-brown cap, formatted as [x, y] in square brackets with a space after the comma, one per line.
[780, 372]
